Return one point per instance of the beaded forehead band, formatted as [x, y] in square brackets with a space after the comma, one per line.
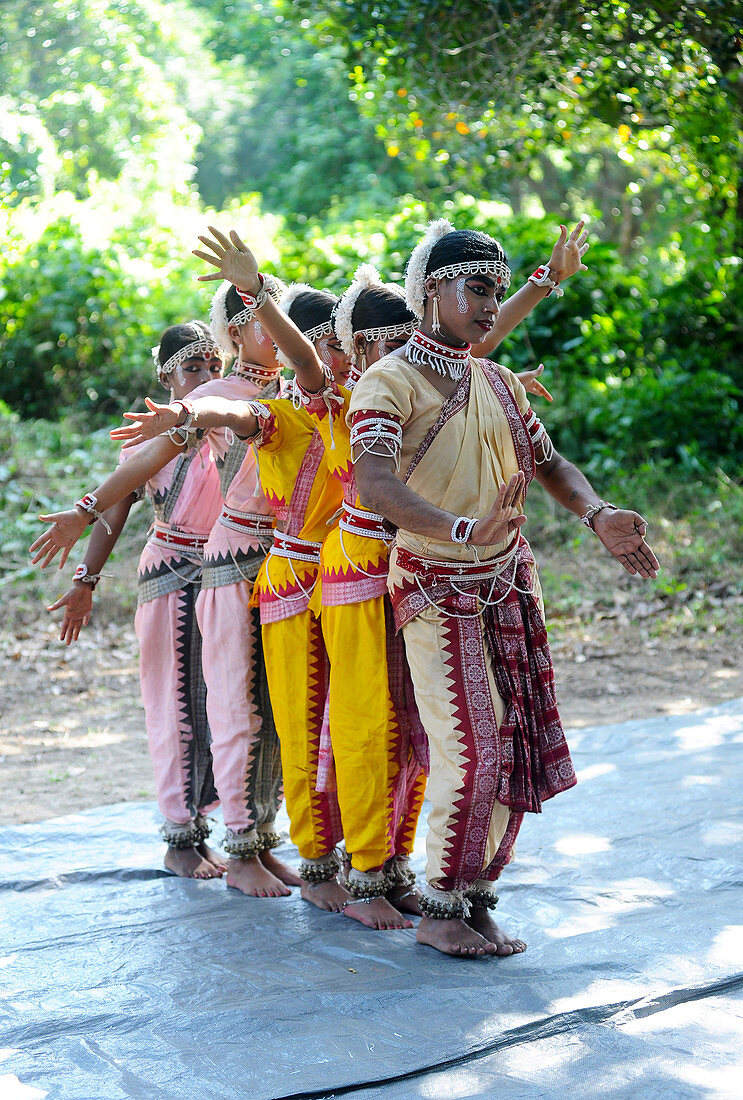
[388, 332]
[415, 276]
[498, 269]
[205, 345]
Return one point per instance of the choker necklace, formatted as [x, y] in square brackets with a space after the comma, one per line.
[426, 351]
[251, 372]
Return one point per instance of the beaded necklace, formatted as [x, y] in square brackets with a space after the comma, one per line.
[426, 351]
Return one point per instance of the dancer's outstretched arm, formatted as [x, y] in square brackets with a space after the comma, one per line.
[565, 260]
[204, 413]
[235, 262]
[67, 527]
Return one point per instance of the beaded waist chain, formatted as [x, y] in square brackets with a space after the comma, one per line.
[252, 522]
[294, 548]
[359, 522]
[181, 540]
[434, 571]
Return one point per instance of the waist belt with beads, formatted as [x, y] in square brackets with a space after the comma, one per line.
[252, 522]
[180, 540]
[294, 548]
[359, 522]
[435, 571]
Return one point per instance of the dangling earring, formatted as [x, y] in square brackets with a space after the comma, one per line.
[435, 323]
[362, 368]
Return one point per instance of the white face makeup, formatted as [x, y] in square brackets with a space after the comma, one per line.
[260, 336]
[381, 349]
[461, 297]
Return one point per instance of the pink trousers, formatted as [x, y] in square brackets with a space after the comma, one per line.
[174, 698]
[245, 747]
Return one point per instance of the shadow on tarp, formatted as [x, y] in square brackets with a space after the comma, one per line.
[121, 981]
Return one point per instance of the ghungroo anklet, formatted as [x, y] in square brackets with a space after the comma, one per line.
[482, 898]
[316, 871]
[188, 835]
[245, 845]
[367, 885]
[443, 904]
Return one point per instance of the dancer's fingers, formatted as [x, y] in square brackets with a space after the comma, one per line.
[238, 243]
[576, 231]
[215, 260]
[224, 241]
[209, 278]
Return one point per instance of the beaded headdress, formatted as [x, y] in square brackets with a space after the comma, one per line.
[219, 321]
[202, 344]
[365, 278]
[416, 274]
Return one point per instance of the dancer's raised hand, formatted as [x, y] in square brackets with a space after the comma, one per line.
[66, 528]
[529, 380]
[504, 519]
[232, 258]
[567, 255]
[623, 534]
[78, 604]
[160, 419]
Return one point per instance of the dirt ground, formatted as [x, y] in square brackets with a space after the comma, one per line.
[72, 727]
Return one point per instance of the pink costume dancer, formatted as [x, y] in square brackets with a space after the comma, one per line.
[245, 747]
[186, 500]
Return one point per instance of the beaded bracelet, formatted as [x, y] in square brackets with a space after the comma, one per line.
[81, 574]
[543, 277]
[88, 504]
[594, 510]
[253, 301]
[187, 428]
[461, 529]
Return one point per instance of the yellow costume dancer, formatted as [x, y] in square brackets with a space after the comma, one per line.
[378, 744]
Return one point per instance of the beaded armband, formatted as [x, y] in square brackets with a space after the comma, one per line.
[375, 433]
[538, 435]
[88, 503]
[543, 277]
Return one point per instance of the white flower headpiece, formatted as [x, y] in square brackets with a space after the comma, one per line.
[364, 278]
[415, 275]
[203, 344]
[219, 321]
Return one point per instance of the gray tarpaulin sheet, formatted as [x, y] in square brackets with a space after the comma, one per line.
[121, 981]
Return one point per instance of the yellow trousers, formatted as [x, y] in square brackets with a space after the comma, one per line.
[380, 783]
[297, 672]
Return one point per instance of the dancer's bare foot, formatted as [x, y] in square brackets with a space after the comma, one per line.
[329, 895]
[189, 863]
[453, 937]
[250, 876]
[406, 899]
[377, 914]
[212, 857]
[482, 922]
[283, 872]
